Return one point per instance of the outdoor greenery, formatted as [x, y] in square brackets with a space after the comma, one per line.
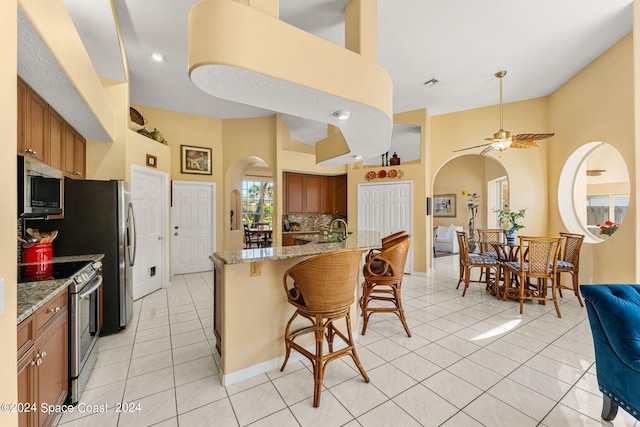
[257, 202]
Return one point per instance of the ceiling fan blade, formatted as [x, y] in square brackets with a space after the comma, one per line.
[470, 148]
[487, 150]
[524, 144]
[532, 136]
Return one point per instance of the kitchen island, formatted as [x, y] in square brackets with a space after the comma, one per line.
[250, 305]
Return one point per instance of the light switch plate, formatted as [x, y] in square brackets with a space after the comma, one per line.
[1, 297]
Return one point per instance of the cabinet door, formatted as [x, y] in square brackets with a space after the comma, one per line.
[328, 195]
[340, 194]
[80, 156]
[26, 379]
[294, 191]
[69, 151]
[22, 116]
[312, 199]
[56, 140]
[287, 240]
[53, 374]
[37, 125]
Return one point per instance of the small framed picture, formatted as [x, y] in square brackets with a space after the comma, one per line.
[444, 205]
[152, 161]
[196, 160]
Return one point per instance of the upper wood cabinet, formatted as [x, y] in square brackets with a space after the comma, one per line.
[340, 191]
[37, 126]
[55, 152]
[302, 193]
[74, 154]
[46, 136]
[315, 194]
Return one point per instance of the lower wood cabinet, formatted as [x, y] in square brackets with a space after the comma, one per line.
[43, 375]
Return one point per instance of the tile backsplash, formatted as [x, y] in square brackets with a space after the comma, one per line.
[311, 222]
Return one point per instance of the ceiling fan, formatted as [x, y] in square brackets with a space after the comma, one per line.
[502, 139]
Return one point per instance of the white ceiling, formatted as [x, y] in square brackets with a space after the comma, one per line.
[461, 43]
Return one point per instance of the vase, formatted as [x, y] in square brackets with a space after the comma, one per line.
[511, 236]
[471, 229]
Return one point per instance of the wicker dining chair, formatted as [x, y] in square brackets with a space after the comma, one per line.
[382, 284]
[486, 236]
[526, 279]
[322, 292]
[467, 263]
[569, 262]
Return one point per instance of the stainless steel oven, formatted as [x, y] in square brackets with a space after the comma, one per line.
[84, 327]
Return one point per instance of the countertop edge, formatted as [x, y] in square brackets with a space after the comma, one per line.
[33, 295]
[363, 240]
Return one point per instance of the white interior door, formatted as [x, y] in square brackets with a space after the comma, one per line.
[387, 208]
[192, 226]
[149, 198]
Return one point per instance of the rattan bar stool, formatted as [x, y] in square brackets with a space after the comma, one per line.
[383, 275]
[323, 291]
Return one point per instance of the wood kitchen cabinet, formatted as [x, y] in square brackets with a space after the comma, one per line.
[55, 147]
[43, 375]
[334, 195]
[45, 135]
[36, 132]
[75, 148]
[302, 193]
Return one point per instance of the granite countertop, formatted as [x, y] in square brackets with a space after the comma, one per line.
[33, 295]
[364, 240]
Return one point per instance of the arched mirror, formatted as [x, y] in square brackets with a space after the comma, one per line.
[593, 195]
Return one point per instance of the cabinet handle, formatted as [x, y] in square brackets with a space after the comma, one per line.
[38, 361]
[77, 173]
[33, 363]
[43, 354]
[54, 310]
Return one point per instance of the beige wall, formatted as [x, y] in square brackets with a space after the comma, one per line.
[8, 176]
[597, 104]
[527, 169]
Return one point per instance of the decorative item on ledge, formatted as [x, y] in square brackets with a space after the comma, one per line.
[391, 173]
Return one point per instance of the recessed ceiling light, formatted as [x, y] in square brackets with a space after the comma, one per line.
[431, 82]
[342, 114]
[358, 156]
[157, 56]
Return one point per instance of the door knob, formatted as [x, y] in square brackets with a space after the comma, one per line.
[160, 237]
[175, 234]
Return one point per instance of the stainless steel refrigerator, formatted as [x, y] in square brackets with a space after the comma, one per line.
[99, 218]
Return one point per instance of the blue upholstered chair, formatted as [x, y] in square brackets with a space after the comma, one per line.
[614, 316]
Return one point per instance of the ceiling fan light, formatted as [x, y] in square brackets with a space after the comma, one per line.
[501, 144]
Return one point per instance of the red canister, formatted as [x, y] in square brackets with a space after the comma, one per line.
[40, 256]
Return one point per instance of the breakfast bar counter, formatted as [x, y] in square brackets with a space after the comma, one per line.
[250, 304]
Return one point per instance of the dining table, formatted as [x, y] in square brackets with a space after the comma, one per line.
[505, 252]
[265, 234]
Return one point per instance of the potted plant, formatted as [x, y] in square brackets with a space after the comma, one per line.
[608, 228]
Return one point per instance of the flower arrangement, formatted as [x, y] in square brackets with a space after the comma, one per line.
[608, 228]
[510, 220]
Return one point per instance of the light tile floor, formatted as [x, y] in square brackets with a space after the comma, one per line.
[472, 361]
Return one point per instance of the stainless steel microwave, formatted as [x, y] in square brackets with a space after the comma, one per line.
[39, 189]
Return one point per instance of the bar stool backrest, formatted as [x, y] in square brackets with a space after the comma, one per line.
[326, 282]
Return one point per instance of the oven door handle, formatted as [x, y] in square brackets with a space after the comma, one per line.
[93, 288]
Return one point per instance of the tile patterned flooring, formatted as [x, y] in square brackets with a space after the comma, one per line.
[472, 361]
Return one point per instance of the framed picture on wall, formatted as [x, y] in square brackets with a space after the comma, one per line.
[196, 160]
[444, 205]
